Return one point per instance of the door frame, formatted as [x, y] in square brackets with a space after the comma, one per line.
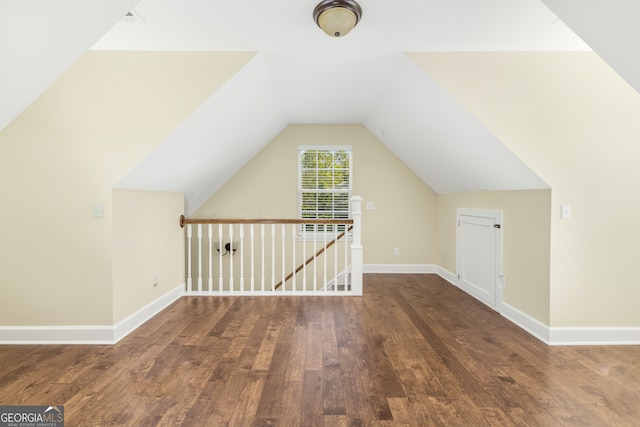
[497, 215]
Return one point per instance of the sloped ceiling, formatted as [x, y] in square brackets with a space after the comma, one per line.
[300, 75]
[610, 28]
[40, 39]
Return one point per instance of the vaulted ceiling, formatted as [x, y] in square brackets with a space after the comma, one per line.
[300, 75]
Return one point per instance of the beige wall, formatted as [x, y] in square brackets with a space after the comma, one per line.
[574, 122]
[64, 153]
[147, 242]
[405, 208]
[526, 228]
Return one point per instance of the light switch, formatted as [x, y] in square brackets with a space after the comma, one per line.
[566, 211]
[370, 206]
[98, 210]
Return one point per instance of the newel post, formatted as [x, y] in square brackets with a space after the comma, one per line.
[356, 246]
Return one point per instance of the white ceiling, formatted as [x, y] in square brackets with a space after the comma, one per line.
[300, 75]
[610, 28]
[286, 26]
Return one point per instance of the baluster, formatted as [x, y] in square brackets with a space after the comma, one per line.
[304, 257]
[252, 235]
[189, 280]
[324, 258]
[230, 253]
[210, 231]
[335, 257]
[241, 257]
[273, 258]
[293, 253]
[315, 264]
[262, 276]
[221, 248]
[199, 258]
[282, 256]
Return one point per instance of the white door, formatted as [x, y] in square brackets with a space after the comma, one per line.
[479, 255]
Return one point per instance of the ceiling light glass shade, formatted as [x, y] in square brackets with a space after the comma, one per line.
[337, 17]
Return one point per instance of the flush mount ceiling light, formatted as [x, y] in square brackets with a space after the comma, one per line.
[337, 17]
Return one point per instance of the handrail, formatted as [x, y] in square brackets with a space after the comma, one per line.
[184, 221]
[311, 258]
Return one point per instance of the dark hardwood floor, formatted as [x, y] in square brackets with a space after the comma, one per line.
[413, 351]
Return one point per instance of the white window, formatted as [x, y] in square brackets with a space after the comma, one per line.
[324, 184]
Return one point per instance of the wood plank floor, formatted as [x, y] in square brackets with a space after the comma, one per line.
[413, 351]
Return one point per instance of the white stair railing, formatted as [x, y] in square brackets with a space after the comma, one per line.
[270, 256]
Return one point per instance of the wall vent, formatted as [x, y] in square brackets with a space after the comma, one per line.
[133, 17]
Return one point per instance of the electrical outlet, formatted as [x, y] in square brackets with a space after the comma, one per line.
[396, 251]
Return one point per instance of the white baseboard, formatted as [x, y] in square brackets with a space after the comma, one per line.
[556, 335]
[594, 335]
[56, 335]
[526, 322]
[400, 268]
[135, 320]
[572, 335]
[447, 275]
[88, 334]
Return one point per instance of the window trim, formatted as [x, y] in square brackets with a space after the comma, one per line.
[347, 148]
